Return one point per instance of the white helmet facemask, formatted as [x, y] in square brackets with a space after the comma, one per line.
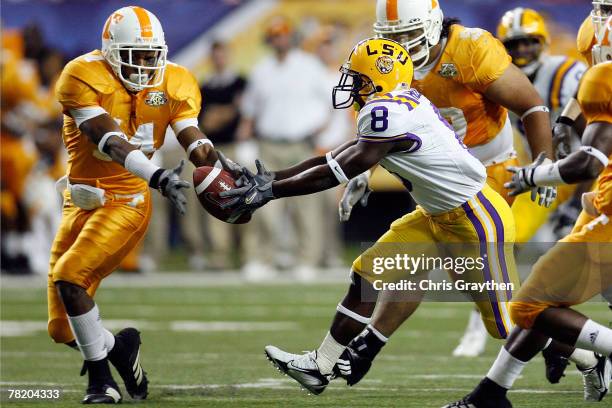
[133, 44]
[602, 50]
[416, 24]
[602, 9]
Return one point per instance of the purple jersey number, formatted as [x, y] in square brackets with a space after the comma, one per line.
[380, 122]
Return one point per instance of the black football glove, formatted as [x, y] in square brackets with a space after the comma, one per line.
[169, 184]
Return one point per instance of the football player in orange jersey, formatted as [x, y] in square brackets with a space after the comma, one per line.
[524, 34]
[117, 103]
[468, 75]
[580, 265]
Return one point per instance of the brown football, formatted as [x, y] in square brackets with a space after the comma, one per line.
[208, 183]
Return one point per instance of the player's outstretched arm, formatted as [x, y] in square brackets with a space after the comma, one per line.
[350, 162]
[312, 162]
[106, 134]
[339, 169]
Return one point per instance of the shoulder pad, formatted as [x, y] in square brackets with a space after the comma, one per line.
[180, 83]
[93, 70]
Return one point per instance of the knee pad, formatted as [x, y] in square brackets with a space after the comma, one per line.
[59, 330]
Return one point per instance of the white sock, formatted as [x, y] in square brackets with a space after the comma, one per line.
[583, 358]
[109, 340]
[328, 354]
[475, 321]
[596, 337]
[89, 334]
[506, 369]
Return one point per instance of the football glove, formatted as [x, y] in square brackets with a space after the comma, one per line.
[357, 190]
[230, 166]
[247, 198]
[522, 181]
[170, 185]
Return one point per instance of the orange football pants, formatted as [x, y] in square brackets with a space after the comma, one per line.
[577, 268]
[497, 176]
[88, 246]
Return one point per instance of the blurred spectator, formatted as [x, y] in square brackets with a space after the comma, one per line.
[285, 107]
[324, 43]
[219, 118]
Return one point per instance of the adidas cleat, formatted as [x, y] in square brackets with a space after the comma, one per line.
[125, 357]
[597, 379]
[106, 393]
[301, 367]
[555, 365]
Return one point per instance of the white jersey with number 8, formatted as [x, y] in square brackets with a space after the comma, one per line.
[437, 169]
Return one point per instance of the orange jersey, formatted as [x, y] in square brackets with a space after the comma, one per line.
[471, 60]
[586, 40]
[595, 98]
[88, 81]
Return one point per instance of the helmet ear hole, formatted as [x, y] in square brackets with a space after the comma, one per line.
[379, 88]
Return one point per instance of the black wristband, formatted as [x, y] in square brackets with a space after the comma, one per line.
[154, 182]
[565, 120]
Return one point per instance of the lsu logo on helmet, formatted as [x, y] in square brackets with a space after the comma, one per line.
[375, 66]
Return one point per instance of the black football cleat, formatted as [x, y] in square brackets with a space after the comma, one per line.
[486, 395]
[555, 365]
[101, 388]
[107, 393]
[125, 357]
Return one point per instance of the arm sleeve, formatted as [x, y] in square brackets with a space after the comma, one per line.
[481, 58]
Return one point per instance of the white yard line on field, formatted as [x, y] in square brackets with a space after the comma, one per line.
[22, 328]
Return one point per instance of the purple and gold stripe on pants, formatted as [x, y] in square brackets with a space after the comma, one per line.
[489, 227]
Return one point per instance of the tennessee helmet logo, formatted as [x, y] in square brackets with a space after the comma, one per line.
[384, 64]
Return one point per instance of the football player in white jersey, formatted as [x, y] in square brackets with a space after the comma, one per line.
[401, 130]
[469, 76]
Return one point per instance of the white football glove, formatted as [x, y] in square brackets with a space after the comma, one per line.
[522, 181]
[357, 190]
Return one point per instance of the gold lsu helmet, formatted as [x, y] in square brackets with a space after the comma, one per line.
[375, 66]
[522, 23]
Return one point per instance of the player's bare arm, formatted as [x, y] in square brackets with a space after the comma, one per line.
[353, 161]
[115, 146]
[583, 165]
[536, 122]
[106, 134]
[586, 164]
[199, 150]
[311, 162]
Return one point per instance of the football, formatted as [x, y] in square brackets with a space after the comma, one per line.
[208, 183]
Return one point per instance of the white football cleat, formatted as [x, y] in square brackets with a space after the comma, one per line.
[597, 379]
[301, 367]
[474, 339]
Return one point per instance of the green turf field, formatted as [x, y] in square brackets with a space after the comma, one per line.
[203, 346]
